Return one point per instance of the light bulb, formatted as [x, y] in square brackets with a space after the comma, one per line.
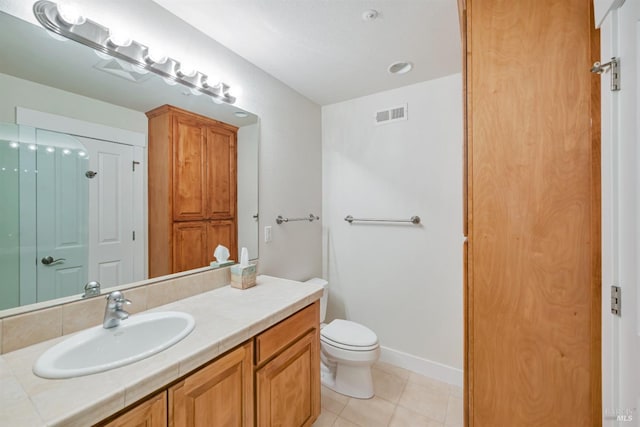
[14, 145]
[70, 14]
[32, 147]
[155, 56]
[186, 70]
[195, 91]
[66, 151]
[119, 38]
[51, 150]
[81, 153]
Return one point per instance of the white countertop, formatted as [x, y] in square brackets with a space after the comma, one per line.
[225, 317]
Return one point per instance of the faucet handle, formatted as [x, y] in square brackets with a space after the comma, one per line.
[117, 298]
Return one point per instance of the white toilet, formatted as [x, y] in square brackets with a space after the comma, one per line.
[347, 351]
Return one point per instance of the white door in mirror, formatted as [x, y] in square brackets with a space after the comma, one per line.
[98, 349]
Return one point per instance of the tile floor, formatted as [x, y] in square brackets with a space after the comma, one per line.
[403, 399]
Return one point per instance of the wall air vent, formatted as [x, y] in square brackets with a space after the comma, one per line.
[391, 115]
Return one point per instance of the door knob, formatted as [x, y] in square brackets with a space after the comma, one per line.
[48, 260]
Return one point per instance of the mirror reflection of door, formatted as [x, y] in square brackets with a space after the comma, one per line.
[110, 212]
[84, 214]
[62, 197]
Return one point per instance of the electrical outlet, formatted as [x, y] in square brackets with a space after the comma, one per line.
[267, 234]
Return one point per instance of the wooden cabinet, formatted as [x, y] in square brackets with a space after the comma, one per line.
[288, 371]
[532, 292]
[150, 413]
[192, 184]
[220, 394]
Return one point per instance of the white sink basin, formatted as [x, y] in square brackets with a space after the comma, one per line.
[99, 349]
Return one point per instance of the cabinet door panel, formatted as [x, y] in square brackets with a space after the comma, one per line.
[189, 157]
[222, 233]
[189, 245]
[221, 174]
[288, 387]
[220, 394]
[152, 413]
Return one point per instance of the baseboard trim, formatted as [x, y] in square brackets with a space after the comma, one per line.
[421, 366]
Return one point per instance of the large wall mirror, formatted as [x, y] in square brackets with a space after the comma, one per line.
[63, 197]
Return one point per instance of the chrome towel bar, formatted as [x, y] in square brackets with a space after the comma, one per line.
[413, 220]
[310, 218]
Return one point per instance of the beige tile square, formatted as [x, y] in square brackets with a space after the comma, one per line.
[425, 401]
[430, 383]
[215, 279]
[387, 386]
[403, 417]
[326, 419]
[455, 414]
[332, 401]
[370, 412]
[31, 328]
[82, 314]
[401, 373]
[169, 291]
[16, 408]
[138, 298]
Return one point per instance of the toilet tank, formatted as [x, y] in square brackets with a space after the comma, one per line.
[325, 295]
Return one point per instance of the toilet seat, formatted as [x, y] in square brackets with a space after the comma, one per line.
[349, 335]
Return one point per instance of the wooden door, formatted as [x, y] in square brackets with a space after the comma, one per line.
[189, 245]
[221, 183]
[224, 233]
[220, 394]
[151, 413]
[288, 387]
[189, 170]
[533, 245]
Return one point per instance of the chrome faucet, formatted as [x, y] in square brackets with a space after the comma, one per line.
[113, 313]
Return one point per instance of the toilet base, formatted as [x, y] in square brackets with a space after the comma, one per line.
[352, 381]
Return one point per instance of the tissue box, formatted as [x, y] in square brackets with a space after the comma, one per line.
[243, 277]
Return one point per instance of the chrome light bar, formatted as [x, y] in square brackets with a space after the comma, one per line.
[100, 38]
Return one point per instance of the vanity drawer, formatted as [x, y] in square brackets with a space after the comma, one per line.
[285, 333]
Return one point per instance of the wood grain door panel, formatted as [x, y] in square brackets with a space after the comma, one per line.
[221, 173]
[189, 171]
[220, 394]
[288, 387]
[189, 245]
[530, 295]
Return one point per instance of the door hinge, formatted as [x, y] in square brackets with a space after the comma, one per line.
[616, 300]
[134, 235]
[133, 165]
[614, 67]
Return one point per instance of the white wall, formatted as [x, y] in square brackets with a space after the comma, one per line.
[402, 281]
[248, 233]
[23, 93]
[290, 128]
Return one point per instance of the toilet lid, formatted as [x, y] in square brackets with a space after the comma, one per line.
[349, 333]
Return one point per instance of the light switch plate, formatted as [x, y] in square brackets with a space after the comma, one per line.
[267, 234]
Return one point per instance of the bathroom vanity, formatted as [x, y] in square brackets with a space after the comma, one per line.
[252, 359]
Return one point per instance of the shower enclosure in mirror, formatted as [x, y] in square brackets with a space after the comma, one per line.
[74, 220]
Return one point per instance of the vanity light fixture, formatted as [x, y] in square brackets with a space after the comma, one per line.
[68, 23]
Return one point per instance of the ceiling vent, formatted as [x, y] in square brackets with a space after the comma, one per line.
[391, 115]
